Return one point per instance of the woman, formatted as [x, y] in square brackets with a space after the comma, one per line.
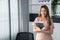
[47, 30]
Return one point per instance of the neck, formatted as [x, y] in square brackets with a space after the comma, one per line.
[43, 17]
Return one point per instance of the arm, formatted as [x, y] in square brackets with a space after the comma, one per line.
[35, 28]
[51, 29]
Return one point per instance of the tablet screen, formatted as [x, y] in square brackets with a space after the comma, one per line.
[40, 25]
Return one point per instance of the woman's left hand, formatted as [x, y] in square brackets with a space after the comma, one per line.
[44, 28]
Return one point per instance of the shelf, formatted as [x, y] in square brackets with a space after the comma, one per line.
[40, 4]
[43, 0]
[56, 19]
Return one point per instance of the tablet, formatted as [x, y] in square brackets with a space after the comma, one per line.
[40, 25]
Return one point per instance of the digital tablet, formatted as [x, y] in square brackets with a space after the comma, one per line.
[40, 25]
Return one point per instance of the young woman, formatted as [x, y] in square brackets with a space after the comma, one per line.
[47, 30]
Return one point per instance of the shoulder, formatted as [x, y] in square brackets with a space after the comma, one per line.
[37, 18]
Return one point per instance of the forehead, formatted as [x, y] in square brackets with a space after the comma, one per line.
[43, 9]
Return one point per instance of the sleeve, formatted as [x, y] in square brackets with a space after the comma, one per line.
[35, 21]
[52, 24]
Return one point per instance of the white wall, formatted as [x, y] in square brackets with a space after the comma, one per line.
[56, 33]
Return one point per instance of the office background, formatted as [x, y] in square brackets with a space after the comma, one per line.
[15, 17]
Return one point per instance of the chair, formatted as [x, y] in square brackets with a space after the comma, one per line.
[25, 36]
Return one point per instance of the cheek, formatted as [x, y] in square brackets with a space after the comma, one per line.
[45, 13]
[42, 12]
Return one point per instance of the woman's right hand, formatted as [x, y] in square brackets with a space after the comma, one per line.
[36, 29]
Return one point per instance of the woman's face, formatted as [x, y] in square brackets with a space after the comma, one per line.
[43, 11]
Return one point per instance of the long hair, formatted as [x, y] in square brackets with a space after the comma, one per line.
[47, 14]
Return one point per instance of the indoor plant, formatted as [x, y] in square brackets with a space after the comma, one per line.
[54, 6]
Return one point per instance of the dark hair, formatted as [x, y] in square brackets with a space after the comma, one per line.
[47, 15]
